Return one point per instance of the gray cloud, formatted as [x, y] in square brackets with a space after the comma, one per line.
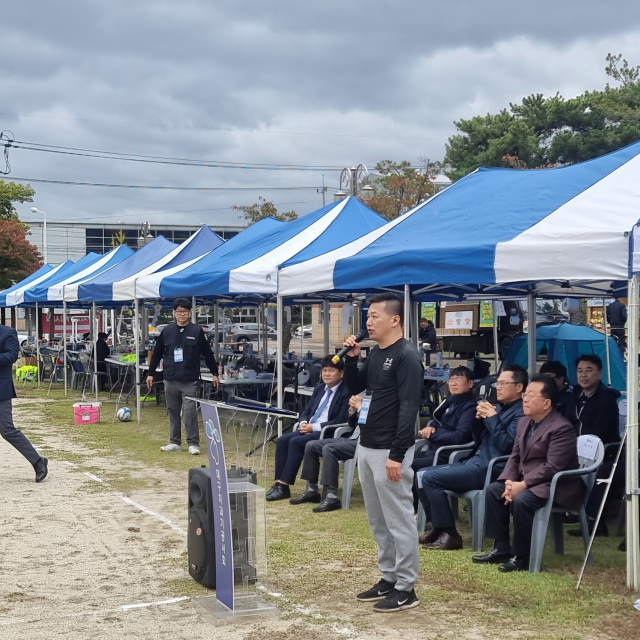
[280, 82]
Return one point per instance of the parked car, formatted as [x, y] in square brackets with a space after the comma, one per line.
[157, 330]
[308, 331]
[248, 331]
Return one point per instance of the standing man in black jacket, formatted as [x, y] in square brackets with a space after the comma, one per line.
[9, 350]
[565, 400]
[182, 344]
[598, 413]
[617, 318]
[392, 377]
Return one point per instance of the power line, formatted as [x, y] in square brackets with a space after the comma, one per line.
[135, 157]
[161, 187]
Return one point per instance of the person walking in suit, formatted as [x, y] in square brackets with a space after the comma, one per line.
[545, 444]
[329, 405]
[332, 451]
[9, 350]
[493, 432]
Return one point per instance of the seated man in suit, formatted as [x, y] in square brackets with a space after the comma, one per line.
[451, 423]
[328, 405]
[545, 444]
[494, 431]
[565, 401]
[332, 451]
[598, 413]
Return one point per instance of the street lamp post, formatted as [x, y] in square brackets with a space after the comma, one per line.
[353, 183]
[44, 231]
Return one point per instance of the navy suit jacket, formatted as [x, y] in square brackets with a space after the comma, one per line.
[9, 350]
[338, 408]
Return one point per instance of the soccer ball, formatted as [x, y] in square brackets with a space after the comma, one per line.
[124, 414]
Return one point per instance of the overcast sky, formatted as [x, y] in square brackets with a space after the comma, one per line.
[322, 84]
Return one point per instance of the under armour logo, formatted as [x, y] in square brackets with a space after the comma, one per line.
[387, 364]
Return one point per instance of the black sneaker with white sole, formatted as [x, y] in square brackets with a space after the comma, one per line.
[397, 601]
[377, 592]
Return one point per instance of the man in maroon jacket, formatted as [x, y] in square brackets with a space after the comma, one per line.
[545, 444]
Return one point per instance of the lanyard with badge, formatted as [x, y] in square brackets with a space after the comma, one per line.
[364, 409]
[178, 352]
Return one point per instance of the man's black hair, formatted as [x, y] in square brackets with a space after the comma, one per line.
[423, 320]
[519, 374]
[328, 362]
[554, 367]
[462, 371]
[549, 388]
[392, 303]
[590, 357]
[430, 323]
[185, 303]
[102, 335]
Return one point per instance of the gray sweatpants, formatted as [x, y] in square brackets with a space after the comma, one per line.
[389, 507]
[175, 392]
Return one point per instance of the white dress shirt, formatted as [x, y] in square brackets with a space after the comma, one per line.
[324, 416]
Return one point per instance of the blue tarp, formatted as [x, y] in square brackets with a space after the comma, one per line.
[565, 342]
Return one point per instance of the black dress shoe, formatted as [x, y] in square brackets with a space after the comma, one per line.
[271, 490]
[328, 505]
[517, 563]
[430, 535]
[493, 557]
[308, 496]
[280, 492]
[445, 542]
[41, 469]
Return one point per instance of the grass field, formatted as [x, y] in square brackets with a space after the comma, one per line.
[324, 559]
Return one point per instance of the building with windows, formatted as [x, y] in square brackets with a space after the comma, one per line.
[73, 240]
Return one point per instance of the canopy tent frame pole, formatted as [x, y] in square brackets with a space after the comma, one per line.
[136, 341]
[326, 310]
[407, 311]
[415, 337]
[265, 335]
[194, 318]
[301, 331]
[496, 355]
[38, 343]
[216, 344]
[94, 331]
[64, 344]
[531, 335]
[279, 355]
[112, 327]
[606, 340]
[631, 476]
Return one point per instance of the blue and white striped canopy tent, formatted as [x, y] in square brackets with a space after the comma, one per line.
[494, 232]
[250, 266]
[117, 284]
[33, 279]
[108, 260]
[163, 284]
[15, 296]
[559, 232]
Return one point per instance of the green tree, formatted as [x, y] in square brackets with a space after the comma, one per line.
[264, 209]
[402, 186]
[11, 192]
[542, 132]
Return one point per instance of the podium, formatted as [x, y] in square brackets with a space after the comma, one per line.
[238, 510]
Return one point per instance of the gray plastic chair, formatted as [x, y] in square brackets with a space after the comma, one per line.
[475, 501]
[590, 456]
[421, 520]
[347, 480]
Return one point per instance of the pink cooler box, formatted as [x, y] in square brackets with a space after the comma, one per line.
[86, 413]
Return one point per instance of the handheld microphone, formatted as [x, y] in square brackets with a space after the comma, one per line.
[343, 352]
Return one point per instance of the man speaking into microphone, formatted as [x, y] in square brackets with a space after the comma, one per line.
[392, 378]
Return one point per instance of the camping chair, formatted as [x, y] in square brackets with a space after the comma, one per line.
[56, 366]
[77, 371]
[440, 451]
[590, 456]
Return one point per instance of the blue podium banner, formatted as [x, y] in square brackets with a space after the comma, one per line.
[221, 509]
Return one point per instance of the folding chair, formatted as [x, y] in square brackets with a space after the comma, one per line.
[590, 457]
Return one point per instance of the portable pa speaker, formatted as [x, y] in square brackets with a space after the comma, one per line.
[201, 535]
